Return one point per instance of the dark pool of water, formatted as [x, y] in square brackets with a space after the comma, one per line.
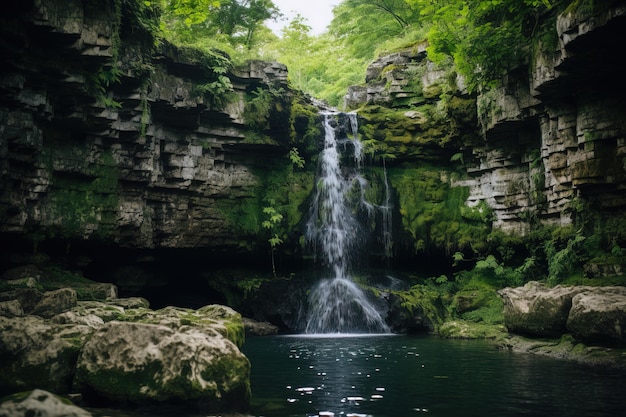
[402, 376]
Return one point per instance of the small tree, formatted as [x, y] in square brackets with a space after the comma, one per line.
[273, 221]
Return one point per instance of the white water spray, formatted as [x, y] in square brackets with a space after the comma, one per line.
[337, 304]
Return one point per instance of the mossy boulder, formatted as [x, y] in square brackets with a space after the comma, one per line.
[212, 319]
[39, 403]
[152, 363]
[599, 315]
[35, 353]
[537, 310]
[462, 329]
[418, 309]
[592, 314]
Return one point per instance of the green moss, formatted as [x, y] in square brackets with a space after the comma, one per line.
[460, 329]
[305, 127]
[477, 301]
[424, 300]
[232, 377]
[80, 204]
[434, 213]
[125, 385]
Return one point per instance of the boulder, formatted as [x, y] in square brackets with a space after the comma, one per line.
[55, 302]
[12, 308]
[73, 317]
[134, 354]
[27, 297]
[599, 315]
[144, 363]
[258, 328]
[537, 310]
[211, 319]
[40, 403]
[35, 353]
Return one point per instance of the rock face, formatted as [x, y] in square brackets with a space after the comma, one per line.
[594, 314]
[105, 138]
[557, 135]
[543, 143]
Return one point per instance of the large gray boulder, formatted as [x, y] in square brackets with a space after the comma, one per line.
[592, 314]
[537, 310]
[40, 403]
[599, 315]
[146, 363]
[36, 353]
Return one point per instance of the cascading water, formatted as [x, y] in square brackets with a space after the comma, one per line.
[337, 304]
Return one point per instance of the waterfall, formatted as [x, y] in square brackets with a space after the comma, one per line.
[337, 304]
[386, 218]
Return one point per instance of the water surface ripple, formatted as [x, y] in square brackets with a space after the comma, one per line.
[402, 376]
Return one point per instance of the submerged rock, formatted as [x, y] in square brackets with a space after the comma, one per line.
[40, 403]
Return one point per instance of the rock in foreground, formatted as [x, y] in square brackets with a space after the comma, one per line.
[40, 403]
[139, 362]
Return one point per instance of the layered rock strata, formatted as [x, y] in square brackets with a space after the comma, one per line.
[103, 137]
[544, 143]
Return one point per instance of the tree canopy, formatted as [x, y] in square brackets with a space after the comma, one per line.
[481, 38]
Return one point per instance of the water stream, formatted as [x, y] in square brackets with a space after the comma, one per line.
[336, 303]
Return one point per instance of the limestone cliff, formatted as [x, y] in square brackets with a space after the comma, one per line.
[108, 135]
[546, 147]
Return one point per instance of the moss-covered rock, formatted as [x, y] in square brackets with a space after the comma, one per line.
[418, 309]
[599, 315]
[147, 363]
[433, 211]
[461, 329]
[39, 403]
[35, 353]
[537, 310]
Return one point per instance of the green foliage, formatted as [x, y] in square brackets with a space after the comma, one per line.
[142, 16]
[357, 23]
[232, 25]
[99, 83]
[310, 68]
[484, 39]
[80, 205]
[563, 262]
[491, 273]
[273, 220]
[218, 89]
[421, 298]
[296, 159]
[259, 105]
